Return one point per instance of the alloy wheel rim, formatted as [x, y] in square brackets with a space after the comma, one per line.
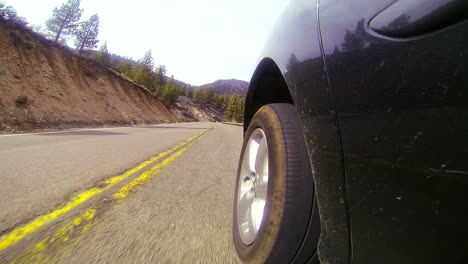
[253, 186]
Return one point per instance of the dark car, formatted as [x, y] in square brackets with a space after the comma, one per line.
[356, 136]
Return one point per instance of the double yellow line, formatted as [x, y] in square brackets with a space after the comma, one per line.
[21, 232]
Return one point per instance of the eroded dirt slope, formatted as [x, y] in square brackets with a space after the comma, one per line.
[44, 86]
[189, 110]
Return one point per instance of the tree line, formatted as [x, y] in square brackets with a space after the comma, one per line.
[146, 73]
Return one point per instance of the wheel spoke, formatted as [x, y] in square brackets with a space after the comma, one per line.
[251, 230]
[245, 187]
[261, 190]
[256, 212]
[253, 152]
[245, 169]
[244, 205]
[261, 161]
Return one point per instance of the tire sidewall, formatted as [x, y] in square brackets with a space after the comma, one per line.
[259, 250]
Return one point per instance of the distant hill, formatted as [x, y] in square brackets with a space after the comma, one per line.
[228, 87]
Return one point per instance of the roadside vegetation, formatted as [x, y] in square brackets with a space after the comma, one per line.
[67, 26]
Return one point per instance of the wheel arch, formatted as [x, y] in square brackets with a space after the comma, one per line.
[267, 86]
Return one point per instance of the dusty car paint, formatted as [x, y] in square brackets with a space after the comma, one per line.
[385, 118]
[295, 49]
[402, 105]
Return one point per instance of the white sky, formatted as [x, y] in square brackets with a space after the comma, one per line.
[199, 41]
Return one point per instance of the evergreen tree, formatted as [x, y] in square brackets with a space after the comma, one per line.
[126, 69]
[161, 73]
[189, 92]
[143, 71]
[292, 63]
[8, 13]
[196, 94]
[170, 93]
[86, 34]
[104, 48]
[355, 40]
[142, 76]
[147, 61]
[240, 110]
[235, 109]
[64, 19]
[217, 101]
[225, 101]
[103, 55]
[209, 95]
[231, 108]
[336, 50]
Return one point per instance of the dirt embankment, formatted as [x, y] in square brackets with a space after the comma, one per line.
[188, 110]
[44, 86]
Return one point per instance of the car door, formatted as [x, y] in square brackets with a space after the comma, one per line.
[399, 75]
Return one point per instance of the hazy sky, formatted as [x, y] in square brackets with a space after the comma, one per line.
[199, 41]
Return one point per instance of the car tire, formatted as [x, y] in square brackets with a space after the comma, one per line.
[279, 232]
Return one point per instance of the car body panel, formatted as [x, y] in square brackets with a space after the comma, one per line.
[402, 105]
[294, 48]
[385, 119]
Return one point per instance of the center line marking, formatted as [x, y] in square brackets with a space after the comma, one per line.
[38, 254]
[21, 232]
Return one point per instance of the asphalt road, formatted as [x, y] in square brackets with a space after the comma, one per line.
[156, 194]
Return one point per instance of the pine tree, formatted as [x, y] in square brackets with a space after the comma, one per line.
[209, 95]
[292, 63]
[160, 73]
[231, 108]
[141, 75]
[196, 94]
[126, 69]
[8, 13]
[64, 19]
[86, 34]
[147, 61]
[336, 50]
[144, 72]
[190, 91]
[170, 94]
[240, 109]
[103, 55]
[104, 48]
[235, 109]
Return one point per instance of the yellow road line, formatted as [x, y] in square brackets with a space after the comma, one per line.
[73, 228]
[84, 221]
[152, 172]
[63, 234]
[21, 232]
